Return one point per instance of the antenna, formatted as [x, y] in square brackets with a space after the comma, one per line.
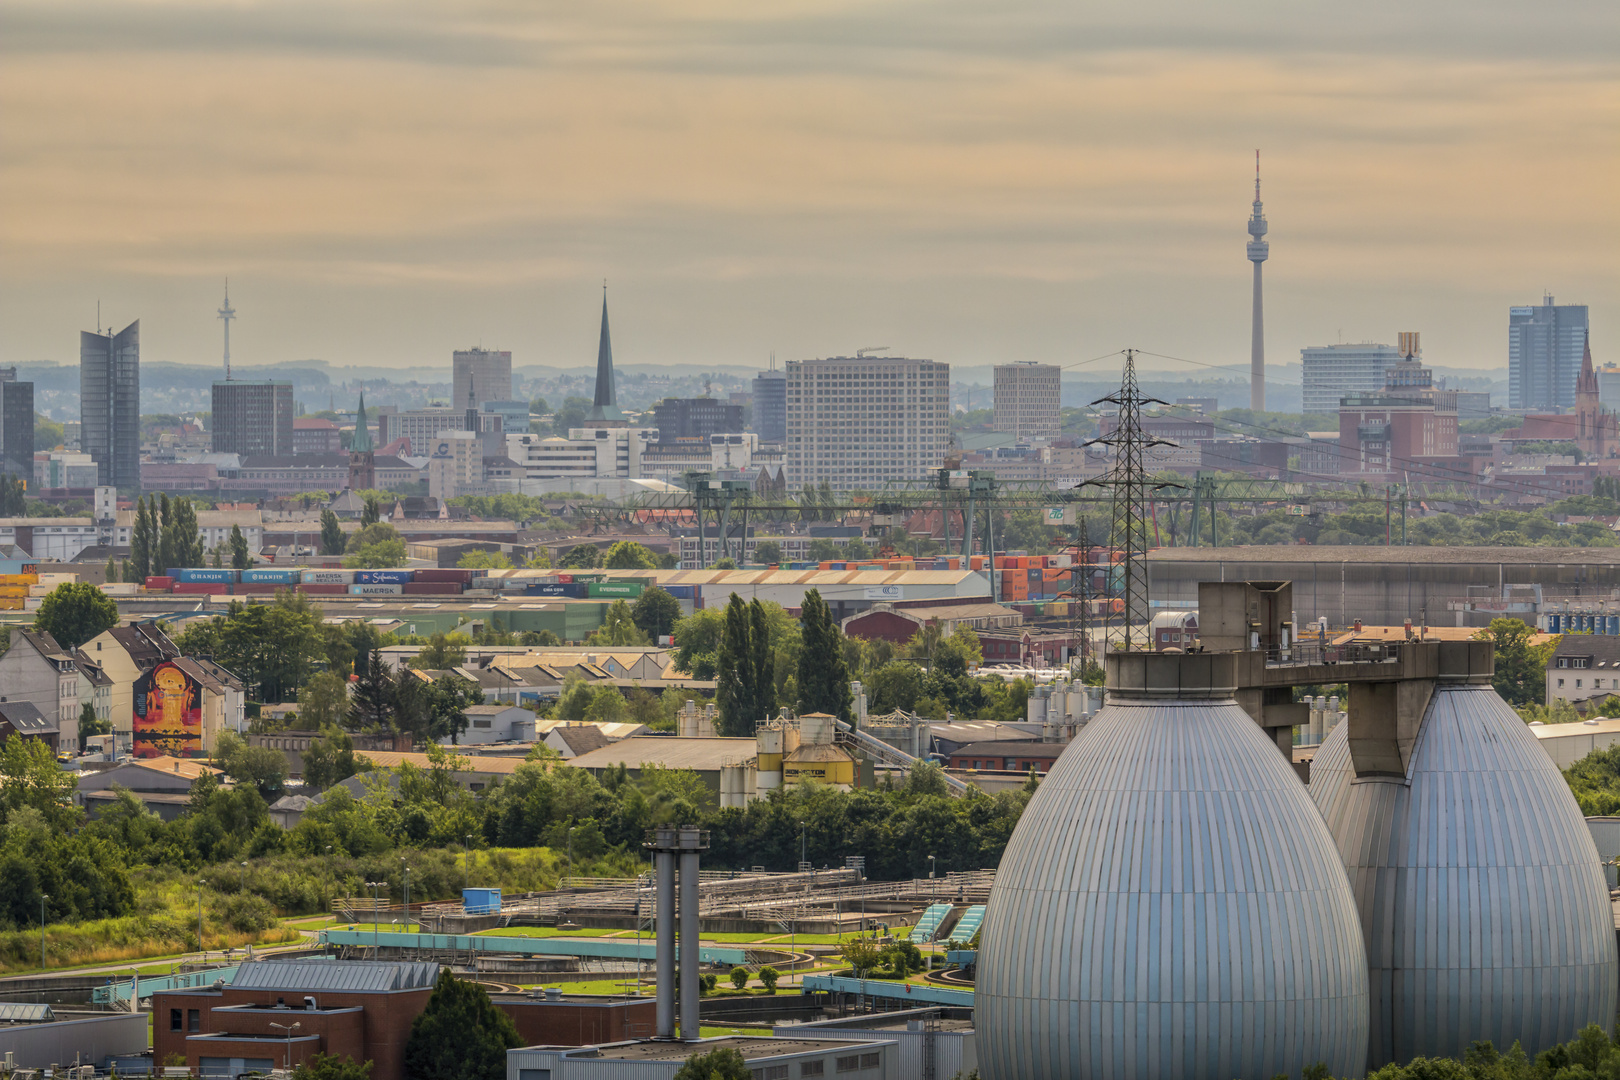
[227, 313]
[1257, 176]
[98, 315]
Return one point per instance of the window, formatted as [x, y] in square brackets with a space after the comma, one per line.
[174, 1020]
[771, 1072]
[1560, 684]
[812, 1068]
[193, 1020]
[848, 1064]
[870, 1061]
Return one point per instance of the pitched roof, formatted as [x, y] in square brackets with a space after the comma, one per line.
[580, 738]
[302, 976]
[25, 718]
[189, 768]
[670, 751]
[388, 759]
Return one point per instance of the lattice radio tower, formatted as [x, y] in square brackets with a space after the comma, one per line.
[1128, 532]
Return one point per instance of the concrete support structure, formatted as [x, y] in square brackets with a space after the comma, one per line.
[665, 843]
[664, 866]
[1258, 251]
[690, 991]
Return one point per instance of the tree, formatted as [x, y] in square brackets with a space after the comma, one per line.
[863, 955]
[768, 552]
[372, 705]
[629, 555]
[1521, 670]
[656, 612]
[182, 538]
[91, 724]
[484, 560]
[823, 676]
[618, 628]
[441, 653]
[746, 691]
[140, 544]
[697, 641]
[767, 978]
[371, 512]
[111, 570]
[241, 556]
[74, 613]
[333, 542]
[722, 1063]
[739, 977]
[329, 760]
[450, 697]
[822, 550]
[323, 701]
[332, 1067]
[13, 498]
[459, 1035]
[581, 557]
[261, 766]
[375, 546]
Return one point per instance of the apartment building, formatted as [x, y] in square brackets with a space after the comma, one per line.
[857, 422]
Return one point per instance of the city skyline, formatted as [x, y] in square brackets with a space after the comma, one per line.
[1041, 186]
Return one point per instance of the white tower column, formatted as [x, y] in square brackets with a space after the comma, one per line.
[1258, 250]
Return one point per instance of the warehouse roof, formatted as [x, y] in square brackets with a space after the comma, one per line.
[296, 976]
[1378, 553]
[670, 752]
[388, 759]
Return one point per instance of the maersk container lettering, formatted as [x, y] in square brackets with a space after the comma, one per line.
[382, 577]
[328, 577]
[382, 589]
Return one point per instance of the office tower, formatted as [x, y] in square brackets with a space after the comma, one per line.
[695, 419]
[253, 418]
[1334, 372]
[1026, 399]
[483, 373]
[362, 459]
[605, 403]
[1258, 251]
[16, 425]
[110, 404]
[770, 406]
[1545, 345]
[858, 421]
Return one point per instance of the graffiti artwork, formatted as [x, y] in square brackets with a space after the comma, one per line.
[168, 713]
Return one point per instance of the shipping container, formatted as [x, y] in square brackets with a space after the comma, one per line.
[271, 576]
[560, 589]
[202, 588]
[328, 577]
[254, 589]
[628, 590]
[324, 590]
[681, 592]
[382, 577]
[14, 591]
[160, 583]
[450, 574]
[19, 579]
[432, 588]
[201, 575]
[379, 589]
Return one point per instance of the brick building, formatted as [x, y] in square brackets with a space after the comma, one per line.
[347, 1008]
[1008, 755]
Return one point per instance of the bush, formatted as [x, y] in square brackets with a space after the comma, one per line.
[247, 913]
[768, 977]
[739, 977]
[708, 983]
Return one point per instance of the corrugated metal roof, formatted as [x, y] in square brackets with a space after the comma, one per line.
[301, 977]
[19, 1012]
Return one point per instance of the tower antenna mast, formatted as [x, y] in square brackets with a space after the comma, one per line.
[1258, 251]
[227, 313]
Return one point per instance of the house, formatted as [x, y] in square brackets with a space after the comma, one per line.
[346, 1008]
[1583, 666]
[39, 671]
[572, 740]
[289, 810]
[163, 784]
[124, 654]
[161, 702]
[95, 686]
[22, 719]
[497, 723]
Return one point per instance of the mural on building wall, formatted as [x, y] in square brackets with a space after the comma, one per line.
[168, 713]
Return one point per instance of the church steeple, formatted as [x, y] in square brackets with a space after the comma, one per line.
[605, 405]
[362, 459]
[362, 434]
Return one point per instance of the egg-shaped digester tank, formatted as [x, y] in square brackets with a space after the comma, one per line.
[1171, 905]
[1484, 907]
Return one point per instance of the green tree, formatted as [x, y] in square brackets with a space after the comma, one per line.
[332, 1067]
[241, 555]
[823, 676]
[581, 557]
[333, 542]
[739, 977]
[370, 512]
[746, 691]
[323, 701]
[47, 433]
[141, 544]
[329, 759]
[30, 776]
[618, 628]
[261, 766]
[459, 1035]
[441, 653]
[182, 538]
[1521, 670]
[91, 724]
[768, 552]
[371, 706]
[655, 612]
[697, 641]
[768, 977]
[721, 1063]
[110, 571]
[376, 546]
[629, 555]
[484, 560]
[75, 612]
[450, 697]
[822, 550]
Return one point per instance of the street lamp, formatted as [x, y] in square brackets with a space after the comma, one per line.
[42, 898]
[801, 846]
[468, 882]
[571, 850]
[930, 870]
[289, 1029]
[374, 886]
[407, 893]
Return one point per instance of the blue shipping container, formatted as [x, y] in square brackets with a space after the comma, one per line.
[202, 575]
[681, 592]
[383, 577]
[481, 901]
[558, 588]
[271, 577]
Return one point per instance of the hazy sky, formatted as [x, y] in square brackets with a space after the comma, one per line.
[385, 180]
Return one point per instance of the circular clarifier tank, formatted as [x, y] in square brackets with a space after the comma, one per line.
[1483, 901]
[1171, 905]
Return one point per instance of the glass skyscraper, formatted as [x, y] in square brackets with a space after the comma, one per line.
[110, 404]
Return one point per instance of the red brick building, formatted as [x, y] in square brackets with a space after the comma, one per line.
[1405, 429]
[346, 1008]
[556, 1019]
[1590, 427]
[1008, 755]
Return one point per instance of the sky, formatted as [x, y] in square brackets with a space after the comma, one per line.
[386, 180]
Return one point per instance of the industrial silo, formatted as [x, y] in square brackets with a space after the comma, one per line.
[1485, 909]
[1171, 904]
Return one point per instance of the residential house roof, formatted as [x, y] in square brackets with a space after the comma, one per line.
[579, 738]
[26, 719]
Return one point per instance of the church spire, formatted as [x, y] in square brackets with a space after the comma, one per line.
[605, 405]
[362, 434]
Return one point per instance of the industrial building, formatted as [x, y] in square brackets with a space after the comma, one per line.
[38, 1036]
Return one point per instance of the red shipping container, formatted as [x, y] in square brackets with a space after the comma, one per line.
[201, 588]
[432, 588]
[324, 590]
[565, 579]
[450, 574]
[254, 589]
[160, 584]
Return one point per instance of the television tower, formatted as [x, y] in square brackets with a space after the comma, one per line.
[1258, 250]
[227, 313]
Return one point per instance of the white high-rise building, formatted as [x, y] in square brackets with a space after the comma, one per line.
[858, 421]
[1027, 399]
[1336, 371]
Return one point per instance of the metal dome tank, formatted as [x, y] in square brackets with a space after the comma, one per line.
[1171, 904]
[1482, 897]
